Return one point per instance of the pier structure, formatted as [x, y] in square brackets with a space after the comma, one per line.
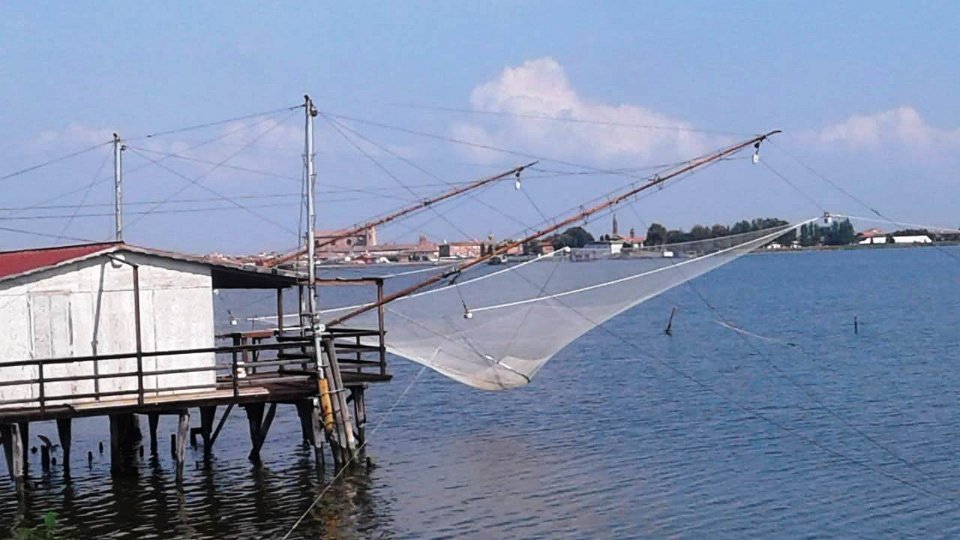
[123, 332]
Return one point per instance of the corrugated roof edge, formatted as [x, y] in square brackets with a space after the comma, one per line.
[112, 247]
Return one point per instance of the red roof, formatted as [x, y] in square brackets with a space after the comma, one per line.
[27, 260]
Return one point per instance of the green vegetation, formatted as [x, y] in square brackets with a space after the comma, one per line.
[657, 234]
[575, 237]
[838, 233]
[44, 531]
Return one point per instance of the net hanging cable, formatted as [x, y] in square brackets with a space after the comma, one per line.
[467, 329]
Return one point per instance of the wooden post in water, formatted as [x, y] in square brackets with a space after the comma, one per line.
[259, 427]
[13, 451]
[316, 437]
[341, 413]
[359, 413]
[254, 421]
[153, 419]
[304, 407]
[64, 432]
[183, 431]
[207, 414]
[25, 443]
[124, 433]
[669, 330]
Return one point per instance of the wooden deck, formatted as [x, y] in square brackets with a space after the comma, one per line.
[254, 389]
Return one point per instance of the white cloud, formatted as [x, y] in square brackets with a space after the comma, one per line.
[900, 127]
[74, 135]
[593, 130]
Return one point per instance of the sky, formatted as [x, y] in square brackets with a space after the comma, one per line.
[865, 94]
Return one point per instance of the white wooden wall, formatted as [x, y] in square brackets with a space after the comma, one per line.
[87, 308]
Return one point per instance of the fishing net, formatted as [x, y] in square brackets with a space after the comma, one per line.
[495, 327]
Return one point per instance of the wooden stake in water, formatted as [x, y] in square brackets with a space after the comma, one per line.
[856, 325]
[669, 330]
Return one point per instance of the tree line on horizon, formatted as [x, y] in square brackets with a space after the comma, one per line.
[657, 234]
[837, 233]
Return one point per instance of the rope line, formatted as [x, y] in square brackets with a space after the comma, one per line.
[349, 461]
[570, 120]
[337, 126]
[54, 160]
[215, 123]
[196, 181]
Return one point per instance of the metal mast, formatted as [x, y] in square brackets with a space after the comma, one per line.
[309, 113]
[331, 389]
[118, 149]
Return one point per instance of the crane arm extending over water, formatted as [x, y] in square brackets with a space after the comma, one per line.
[656, 180]
[397, 214]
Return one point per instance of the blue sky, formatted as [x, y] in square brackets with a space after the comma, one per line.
[865, 93]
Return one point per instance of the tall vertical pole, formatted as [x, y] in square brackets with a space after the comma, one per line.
[118, 149]
[330, 384]
[309, 113]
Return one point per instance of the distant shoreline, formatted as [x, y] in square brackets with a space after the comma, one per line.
[853, 247]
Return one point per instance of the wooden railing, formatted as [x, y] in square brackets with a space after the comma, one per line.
[258, 357]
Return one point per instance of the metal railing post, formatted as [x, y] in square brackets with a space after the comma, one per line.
[136, 319]
[234, 375]
[381, 314]
[43, 405]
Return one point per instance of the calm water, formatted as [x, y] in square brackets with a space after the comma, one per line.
[643, 435]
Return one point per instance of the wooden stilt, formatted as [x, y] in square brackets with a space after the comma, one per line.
[316, 431]
[183, 431]
[207, 414]
[346, 437]
[117, 436]
[259, 427]
[223, 419]
[359, 413]
[304, 408]
[13, 451]
[64, 432]
[153, 419]
[25, 443]
[254, 421]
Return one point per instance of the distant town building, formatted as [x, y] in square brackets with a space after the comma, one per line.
[597, 250]
[912, 239]
[334, 241]
[468, 249]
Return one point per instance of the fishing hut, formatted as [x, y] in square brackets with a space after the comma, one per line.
[120, 331]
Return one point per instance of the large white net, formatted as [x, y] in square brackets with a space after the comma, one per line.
[494, 328]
